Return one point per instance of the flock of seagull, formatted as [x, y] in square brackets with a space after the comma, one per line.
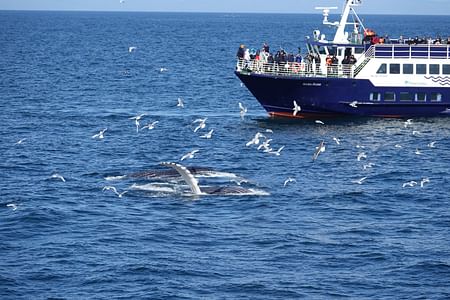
[260, 141]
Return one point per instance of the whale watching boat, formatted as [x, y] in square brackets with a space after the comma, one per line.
[357, 73]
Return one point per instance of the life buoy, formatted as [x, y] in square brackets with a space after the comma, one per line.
[297, 67]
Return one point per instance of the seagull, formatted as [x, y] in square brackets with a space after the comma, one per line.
[189, 155]
[418, 152]
[201, 124]
[398, 146]
[415, 132]
[410, 184]
[338, 141]
[361, 156]
[432, 145]
[296, 108]
[289, 180]
[180, 103]
[150, 126]
[12, 205]
[320, 122]
[208, 135]
[243, 110]
[132, 49]
[408, 122]
[360, 146]
[354, 104]
[269, 130]
[368, 166]
[112, 188]
[162, 70]
[319, 149]
[57, 176]
[359, 181]
[136, 120]
[21, 141]
[255, 140]
[423, 181]
[278, 152]
[100, 134]
[265, 145]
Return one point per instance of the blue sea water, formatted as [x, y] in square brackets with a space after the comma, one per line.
[64, 76]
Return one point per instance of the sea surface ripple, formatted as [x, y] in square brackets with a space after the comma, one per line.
[66, 76]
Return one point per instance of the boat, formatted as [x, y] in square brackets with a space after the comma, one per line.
[358, 73]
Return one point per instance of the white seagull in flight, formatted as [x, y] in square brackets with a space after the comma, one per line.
[289, 180]
[57, 176]
[100, 134]
[151, 125]
[359, 181]
[189, 155]
[136, 120]
[180, 103]
[296, 109]
[208, 135]
[243, 110]
[201, 124]
[319, 149]
[112, 188]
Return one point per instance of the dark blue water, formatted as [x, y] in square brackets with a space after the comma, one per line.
[66, 76]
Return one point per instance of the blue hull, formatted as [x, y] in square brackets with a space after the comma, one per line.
[330, 97]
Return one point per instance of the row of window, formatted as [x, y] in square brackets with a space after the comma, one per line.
[406, 97]
[420, 69]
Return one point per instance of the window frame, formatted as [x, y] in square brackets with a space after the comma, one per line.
[421, 72]
[394, 98]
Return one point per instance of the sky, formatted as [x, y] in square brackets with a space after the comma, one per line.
[414, 7]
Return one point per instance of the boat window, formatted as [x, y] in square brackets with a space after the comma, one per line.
[382, 69]
[446, 69]
[421, 69]
[408, 69]
[339, 52]
[375, 96]
[434, 69]
[359, 50]
[405, 96]
[436, 97]
[394, 69]
[389, 96]
[421, 97]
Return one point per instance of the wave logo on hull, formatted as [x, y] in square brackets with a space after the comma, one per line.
[442, 80]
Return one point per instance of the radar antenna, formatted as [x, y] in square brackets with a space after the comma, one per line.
[326, 14]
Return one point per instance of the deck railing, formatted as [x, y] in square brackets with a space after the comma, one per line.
[294, 69]
[409, 51]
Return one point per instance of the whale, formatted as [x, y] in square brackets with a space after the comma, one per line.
[195, 188]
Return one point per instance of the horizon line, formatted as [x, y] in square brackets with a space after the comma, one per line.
[199, 12]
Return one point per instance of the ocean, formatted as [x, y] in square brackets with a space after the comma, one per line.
[65, 76]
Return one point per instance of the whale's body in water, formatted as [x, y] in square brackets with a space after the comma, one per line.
[189, 178]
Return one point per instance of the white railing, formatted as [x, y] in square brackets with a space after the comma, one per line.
[429, 51]
[294, 69]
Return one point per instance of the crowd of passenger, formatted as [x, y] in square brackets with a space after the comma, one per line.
[371, 37]
[262, 60]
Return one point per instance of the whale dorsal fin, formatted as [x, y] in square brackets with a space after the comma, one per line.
[186, 174]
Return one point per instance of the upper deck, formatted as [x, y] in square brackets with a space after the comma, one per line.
[420, 54]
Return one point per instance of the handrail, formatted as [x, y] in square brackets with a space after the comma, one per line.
[294, 69]
[393, 51]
